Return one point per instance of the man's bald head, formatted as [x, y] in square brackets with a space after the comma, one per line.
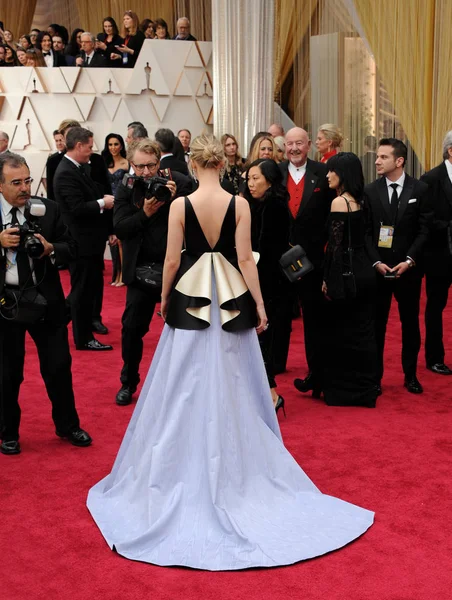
[276, 129]
[298, 145]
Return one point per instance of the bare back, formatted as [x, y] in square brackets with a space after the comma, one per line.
[210, 210]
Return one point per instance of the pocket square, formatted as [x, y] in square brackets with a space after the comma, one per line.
[412, 201]
[317, 190]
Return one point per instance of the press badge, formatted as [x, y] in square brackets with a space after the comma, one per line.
[11, 260]
[386, 236]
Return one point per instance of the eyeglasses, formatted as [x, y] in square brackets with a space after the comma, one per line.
[19, 182]
[148, 166]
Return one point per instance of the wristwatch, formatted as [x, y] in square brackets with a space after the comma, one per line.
[409, 262]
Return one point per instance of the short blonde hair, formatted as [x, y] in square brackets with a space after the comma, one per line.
[207, 151]
[67, 124]
[332, 134]
[145, 145]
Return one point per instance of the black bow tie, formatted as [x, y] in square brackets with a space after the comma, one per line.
[46, 54]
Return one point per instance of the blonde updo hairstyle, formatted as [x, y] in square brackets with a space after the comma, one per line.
[207, 152]
[332, 133]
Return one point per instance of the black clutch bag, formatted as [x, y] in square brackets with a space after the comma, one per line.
[295, 264]
[150, 276]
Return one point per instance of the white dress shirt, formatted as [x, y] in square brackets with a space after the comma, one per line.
[297, 173]
[49, 59]
[449, 169]
[400, 182]
[12, 272]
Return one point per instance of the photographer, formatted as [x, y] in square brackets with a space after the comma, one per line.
[141, 223]
[32, 299]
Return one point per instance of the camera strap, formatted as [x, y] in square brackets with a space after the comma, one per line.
[22, 260]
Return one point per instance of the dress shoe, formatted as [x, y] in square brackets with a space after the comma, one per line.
[413, 385]
[124, 396]
[440, 368]
[307, 384]
[11, 447]
[94, 345]
[99, 327]
[77, 437]
[280, 404]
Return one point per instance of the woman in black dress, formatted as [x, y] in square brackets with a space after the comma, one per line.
[126, 54]
[350, 375]
[270, 225]
[108, 40]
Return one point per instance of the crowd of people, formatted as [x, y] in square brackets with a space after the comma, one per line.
[112, 47]
[366, 243]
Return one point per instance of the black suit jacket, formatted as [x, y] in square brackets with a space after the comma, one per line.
[55, 232]
[309, 228]
[77, 195]
[51, 166]
[172, 163]
[412, 224]
[98, 60]
[437, 253]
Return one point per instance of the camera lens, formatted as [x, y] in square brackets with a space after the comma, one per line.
[33, 246]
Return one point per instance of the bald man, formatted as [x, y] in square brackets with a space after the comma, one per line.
[309, 207]
[276, 129]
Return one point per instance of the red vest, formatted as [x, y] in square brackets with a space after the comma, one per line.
[296, 194]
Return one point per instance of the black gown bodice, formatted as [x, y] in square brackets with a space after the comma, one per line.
[203, 266]
[347, 230]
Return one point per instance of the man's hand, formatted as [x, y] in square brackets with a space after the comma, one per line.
[9, 237]
[151, 206]
[113, 240]
[79, 61]
[48, 247]
[383, 269]
[400, 268]
[173, 187]
[109, 201]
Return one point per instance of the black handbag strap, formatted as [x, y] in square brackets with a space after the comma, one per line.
[350, 248]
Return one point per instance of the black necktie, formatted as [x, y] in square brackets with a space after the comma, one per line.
[46, 53]
[23, 262]
[394, 202]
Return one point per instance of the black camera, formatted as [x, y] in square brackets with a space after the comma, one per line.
[28, 242]
[154, 187]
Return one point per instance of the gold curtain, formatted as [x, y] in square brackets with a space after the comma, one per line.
[401, 36]
[17, 15]
[56, 11]
[199, 12]
[92, 13]
[292, 23]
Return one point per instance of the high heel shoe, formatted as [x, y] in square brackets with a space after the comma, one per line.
[280, 404]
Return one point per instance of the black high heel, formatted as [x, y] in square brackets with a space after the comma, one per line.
[280, 404]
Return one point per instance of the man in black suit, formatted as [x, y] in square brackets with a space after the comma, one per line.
[20, 274]
[58, 47]
[400, 214]
[85, 211]
[165, 139]
[142, 227]
[368, 158]
[89, 57]
[437, 258]
[53, 161]
[309, 205]
[183, 30]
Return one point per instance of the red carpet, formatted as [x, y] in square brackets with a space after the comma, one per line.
[395, 460]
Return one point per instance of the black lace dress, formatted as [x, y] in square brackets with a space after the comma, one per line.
[350, 374]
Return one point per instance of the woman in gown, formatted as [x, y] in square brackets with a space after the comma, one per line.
[114, 155]
[202, 478]
[350, 375]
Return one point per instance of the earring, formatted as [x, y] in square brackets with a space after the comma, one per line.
[194, 174]
[222, 172]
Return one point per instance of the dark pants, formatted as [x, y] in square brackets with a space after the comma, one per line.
[87, 282]
[282, 321]
[55, 363]
[312, 302]
[99, 298]
[407, 292]
[437, 288]
[140, 306]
